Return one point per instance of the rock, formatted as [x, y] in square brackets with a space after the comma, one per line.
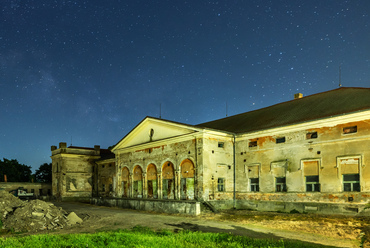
[72, 218]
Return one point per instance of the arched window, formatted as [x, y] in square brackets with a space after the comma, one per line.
[125, 181]
[168, 181]
[138, 182]
[152, 181]
[187, 180]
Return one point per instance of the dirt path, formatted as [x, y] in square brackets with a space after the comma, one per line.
[277, 226]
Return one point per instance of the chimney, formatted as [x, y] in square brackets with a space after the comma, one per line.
[298, 95]
[97, 149]
[53, 148]
[62, 145]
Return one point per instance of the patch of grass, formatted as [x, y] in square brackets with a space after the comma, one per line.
[144, 237]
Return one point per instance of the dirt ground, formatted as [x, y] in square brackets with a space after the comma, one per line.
[334, 231]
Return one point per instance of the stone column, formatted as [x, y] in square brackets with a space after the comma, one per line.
[145, 185]
[159, 185]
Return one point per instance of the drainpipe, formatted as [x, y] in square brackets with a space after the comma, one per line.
[234, 170]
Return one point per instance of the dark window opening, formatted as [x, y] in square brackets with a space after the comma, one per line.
[221, 184]
[253, 144]
[103, 188]
[351, 182]
[110, 187]
[221, 144]
[103, 166]
[312, 135]
[312, 184]
[280, 184]
[254, 182]
[280, 140]
[352, 129]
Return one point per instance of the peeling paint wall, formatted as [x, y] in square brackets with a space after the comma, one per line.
[325, 153]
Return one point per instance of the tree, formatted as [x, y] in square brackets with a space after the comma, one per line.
[14, 171]
[43, 174]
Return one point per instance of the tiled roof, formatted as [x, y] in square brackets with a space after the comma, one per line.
[318, 106]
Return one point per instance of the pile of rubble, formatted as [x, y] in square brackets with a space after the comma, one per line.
[33, 216]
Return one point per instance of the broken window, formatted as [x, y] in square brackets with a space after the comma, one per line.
[311, 173]
[351, 182]
[103, 188]
[311, 135]
[221, 184]
[152, 181]
[125, 180]
[253, 143]
[255, 186]
[350, 170]
[348, 130]
[221, 144]
[138, 182]
[168, 181]
[280, 183]
[280, 140]
[253, 175]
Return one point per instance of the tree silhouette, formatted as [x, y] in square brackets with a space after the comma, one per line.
[43, 173]
[14, 171]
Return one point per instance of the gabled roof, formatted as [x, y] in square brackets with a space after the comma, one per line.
[318, 106]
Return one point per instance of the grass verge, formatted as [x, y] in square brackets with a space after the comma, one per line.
[144, 237]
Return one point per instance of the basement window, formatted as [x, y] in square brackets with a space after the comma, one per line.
[351, 182]
[280, 183]
[280, 140]
[253, 143]
[311, 135]
[312, 184]
[221, 184]
[348, 130]
[221, 144]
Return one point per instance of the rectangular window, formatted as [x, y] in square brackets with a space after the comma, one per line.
[103, 188]
[221, 184]
[312, 184]
[311, 135]
[280, 140]
[280, 184]
[254, 182]
[351, 182]
[221, 144]
[348, 130]
[110, 187]
[253, 143]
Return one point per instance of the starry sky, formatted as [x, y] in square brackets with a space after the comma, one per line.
[87, 72]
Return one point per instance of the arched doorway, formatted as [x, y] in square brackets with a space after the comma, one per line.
[152, 181]
[168, 181]
[125, 181]
[187, 189]
[138, 182]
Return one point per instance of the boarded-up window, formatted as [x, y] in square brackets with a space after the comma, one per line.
[138, 183]
[187, 169]
[152, 181]
[349, 165]
[311, 168]
[168, 171]
[168, 182]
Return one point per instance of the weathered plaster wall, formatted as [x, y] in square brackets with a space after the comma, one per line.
[332, 150]
[39, 189]
[73, 171]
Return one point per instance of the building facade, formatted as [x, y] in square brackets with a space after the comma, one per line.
[309, 155]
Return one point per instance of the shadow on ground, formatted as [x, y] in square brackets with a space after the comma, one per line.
[238, 230]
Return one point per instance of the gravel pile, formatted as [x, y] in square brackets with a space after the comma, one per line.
[34, 215]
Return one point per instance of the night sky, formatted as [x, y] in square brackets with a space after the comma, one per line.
[87, 72]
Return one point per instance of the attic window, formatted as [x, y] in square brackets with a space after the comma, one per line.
[280, 140]
[253, 143]
[221, 144]
[311, 135]
[352, 129]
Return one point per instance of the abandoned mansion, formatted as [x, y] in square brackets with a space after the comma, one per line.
[310, 154]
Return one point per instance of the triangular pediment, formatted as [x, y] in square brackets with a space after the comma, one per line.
[152, 130]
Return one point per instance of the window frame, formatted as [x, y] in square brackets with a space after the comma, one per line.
[280, 140]
[281, 185]
[340, 175]
[351, 130]
[221, 184]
